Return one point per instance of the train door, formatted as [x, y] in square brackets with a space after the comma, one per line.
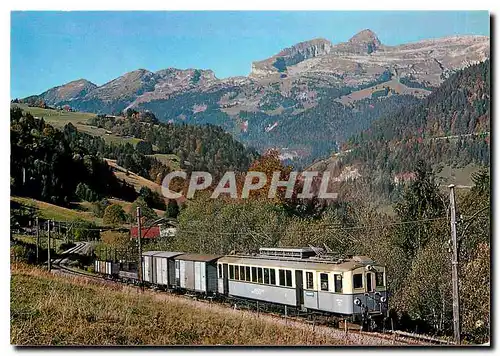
[369, 282]
[177, 273]
[189, 275]
[164, 271]
[338, 283]
[300, 287]
[182, 268]
[198, 276]
[225, 278]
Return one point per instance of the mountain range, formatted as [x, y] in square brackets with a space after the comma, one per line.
[306, 100]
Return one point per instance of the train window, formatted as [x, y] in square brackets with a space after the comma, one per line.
[379, 279]
[242, 273]
[254, 274]
[309, 280]
[357, 280]
[231, 272]
[247, 274]
[282, 277]
[338, 283]
[324, 281]
[259, 275]
[288, 278]
[220, 271]
[273, 276]
[266, 275]
[237, 273]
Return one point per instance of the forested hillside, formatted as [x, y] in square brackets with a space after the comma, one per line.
[46, 165]
[450, 127]
[300, 130]
[452, 124]
[205, 147]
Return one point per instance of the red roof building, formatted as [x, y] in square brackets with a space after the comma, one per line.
[147, 233]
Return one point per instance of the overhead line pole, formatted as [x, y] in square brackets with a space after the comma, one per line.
[48, 246]
[37, 241]
[454, 266]
[139, 237]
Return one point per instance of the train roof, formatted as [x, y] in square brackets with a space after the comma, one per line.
[313, 264]
[150, 253]
[168, 254]
[197, 257]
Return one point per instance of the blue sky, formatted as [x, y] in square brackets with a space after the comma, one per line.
[52, 48]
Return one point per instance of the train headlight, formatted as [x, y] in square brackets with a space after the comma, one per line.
[377, 294]
[357, 302]
[383, 299]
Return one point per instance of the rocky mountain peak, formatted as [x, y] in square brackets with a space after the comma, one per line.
[365, 41]
[364, 37]
[81, 81]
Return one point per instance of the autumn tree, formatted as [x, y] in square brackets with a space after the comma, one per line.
[268, 164]
[114, 215]
[115, 238]
[147, 213]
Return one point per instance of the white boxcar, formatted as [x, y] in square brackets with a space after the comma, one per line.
[196, 272]
[147, 266]
[163, 267]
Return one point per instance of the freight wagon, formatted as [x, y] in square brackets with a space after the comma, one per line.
[197, 273]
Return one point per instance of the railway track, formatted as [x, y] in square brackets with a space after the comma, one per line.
[352, 334]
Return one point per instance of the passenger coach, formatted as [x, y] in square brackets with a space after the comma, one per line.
[298, 277]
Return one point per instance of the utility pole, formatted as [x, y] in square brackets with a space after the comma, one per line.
[454, 266]
[37, 240]
[139, 237]
[48, 245]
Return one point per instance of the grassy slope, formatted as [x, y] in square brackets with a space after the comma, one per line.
[78, 119]
[55, 310]
[393, 84]
[135, 180]
[169, 160]
[127, 206]
[458, 176]
[55, 212]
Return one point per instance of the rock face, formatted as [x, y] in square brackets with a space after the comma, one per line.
[364, 58]
[291, 56]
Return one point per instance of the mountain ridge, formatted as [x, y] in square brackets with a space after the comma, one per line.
[305, 100]
[362, 44]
